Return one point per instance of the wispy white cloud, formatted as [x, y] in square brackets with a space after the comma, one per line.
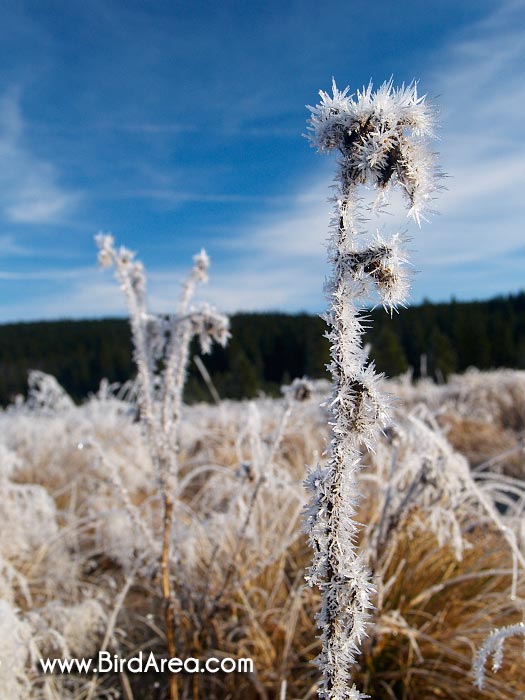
[83, 292]
[49, 274]
[169, 129]
[162, 129]
[10, 247]
[177, 196]
[295, 229]
[90, 292]
[483, 151]
[30, 191]
[255, 284]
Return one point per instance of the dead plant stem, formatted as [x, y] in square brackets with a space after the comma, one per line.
[166, 590]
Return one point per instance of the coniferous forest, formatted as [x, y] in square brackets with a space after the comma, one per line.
[270, 349]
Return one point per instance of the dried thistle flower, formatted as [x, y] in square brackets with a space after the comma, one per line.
[382, 137]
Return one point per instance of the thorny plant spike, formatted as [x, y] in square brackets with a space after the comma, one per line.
[381, 141]
[161, 351]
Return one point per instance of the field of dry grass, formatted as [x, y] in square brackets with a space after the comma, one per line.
[442, 514]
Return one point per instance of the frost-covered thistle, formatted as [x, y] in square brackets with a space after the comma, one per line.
[161, 346]
[161, 350]
[381, 139]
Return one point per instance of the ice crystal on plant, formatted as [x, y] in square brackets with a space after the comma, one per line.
[161, 347]
[45, 394]
[381, 140]
[493, 646]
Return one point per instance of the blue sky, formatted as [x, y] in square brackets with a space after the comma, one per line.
[177, 125]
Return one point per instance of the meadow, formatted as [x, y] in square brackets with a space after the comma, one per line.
[442, 504]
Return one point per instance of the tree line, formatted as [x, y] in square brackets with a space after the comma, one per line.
[270, 349]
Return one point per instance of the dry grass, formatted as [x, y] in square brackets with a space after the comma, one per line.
[436, 611]
[239, 557]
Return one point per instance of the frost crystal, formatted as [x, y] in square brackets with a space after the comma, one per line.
[380, 138]
[161, 346]
[493, 646]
